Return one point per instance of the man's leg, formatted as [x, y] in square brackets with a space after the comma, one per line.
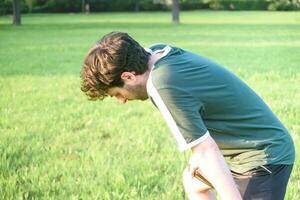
[195, 189]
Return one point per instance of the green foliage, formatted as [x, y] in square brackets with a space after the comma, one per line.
[251, 4]
[5, 7]
[216, 5]
[54, 144]
[76, 5]
[147, 5]
[231, 4]
[245, 4]
[283, 5]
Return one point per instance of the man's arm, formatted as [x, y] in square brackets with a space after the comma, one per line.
[208, 159]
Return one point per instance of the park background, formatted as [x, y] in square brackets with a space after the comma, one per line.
[55, 144]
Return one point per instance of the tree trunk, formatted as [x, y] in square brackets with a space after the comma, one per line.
[175, 11]
[137, 6]
[83, 6]
[16, 13]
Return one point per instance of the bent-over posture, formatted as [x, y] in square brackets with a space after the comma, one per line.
[239, 147]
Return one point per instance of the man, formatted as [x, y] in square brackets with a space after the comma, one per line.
[239, 147]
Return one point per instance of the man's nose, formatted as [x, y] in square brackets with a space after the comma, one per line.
[122, 100]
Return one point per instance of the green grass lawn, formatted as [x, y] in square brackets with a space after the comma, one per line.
[54, 144]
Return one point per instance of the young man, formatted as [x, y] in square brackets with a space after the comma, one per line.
[239, 147]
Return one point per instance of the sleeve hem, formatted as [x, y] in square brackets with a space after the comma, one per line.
[195, 142]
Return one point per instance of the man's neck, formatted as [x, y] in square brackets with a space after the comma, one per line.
[153, 58]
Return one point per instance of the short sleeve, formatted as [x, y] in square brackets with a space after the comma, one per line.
[182, 114]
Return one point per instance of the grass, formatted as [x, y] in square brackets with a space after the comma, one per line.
[54, 144]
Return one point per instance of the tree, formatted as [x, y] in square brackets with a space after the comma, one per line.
[175, 11]
[173, 5]
[16, 13]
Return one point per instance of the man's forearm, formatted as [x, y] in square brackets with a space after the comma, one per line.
[212, 165]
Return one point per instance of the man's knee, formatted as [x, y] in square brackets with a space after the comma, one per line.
[192, 184]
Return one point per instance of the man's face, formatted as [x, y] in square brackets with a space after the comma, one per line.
[128, 92]
[134, 88]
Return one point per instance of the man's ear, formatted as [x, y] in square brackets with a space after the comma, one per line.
[128, 76]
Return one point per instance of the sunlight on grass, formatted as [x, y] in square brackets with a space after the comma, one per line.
[57, 145]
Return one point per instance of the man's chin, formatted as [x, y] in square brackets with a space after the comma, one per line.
[145, 98]
[141, 98]
[138, 99]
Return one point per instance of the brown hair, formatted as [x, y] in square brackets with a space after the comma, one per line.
[103, 65]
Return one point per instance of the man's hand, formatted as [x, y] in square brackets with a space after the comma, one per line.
[208, 160]
[193, 183]
[195, 172]
[195, 188]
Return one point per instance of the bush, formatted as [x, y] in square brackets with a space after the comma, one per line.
[283, 5]
[143, 5]
[229, 4]
[245, 4]
[6, 7]
[193, 4]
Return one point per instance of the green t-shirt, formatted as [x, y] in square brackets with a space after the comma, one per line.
[198, 97]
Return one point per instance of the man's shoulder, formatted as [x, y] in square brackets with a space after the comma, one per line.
[156, 46]
[161, 75]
